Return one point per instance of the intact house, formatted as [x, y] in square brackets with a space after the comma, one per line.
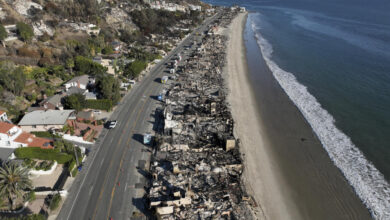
[90, 96]
[46, 120]
[52, 102]
[6, 154]
[85, 115]
[108, 63]
[12, 136]
[3, 116]
[80, 85]
[117, 46]
[195, 7]
[93, 30]
[80, 82]
[77, 85]
[76, 90]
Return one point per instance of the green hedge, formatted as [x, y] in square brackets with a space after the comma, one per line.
[44, 134]
[30, 196]
[28, 217]
[55, 202]
[42, 154]
[72, 164]
[73, 168]
[74, 172]
[102, 104]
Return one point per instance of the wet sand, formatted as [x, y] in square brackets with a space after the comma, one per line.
[287, 170]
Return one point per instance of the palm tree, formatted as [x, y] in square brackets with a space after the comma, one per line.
[13, 182]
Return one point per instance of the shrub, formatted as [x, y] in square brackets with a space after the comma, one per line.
[46, 52]
[51, 7]
[45, 165]
[26, 217]
[42, 154]
[13, 79]
[44, 134]
[55, 202]
[30, 196]
[3, 33]
[45, 37]
[49, 92]
[72, 165]
[24, 31]
[32, 97]
[74, 172]
[86, 66]
[102, 104]
[26, 52]
[107, 50]
[67, 128]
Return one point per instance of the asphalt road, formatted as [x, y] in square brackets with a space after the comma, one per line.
[110, 185]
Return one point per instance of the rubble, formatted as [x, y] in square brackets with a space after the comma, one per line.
[196, 166]
[23, 6]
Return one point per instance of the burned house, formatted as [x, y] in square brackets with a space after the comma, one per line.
[196, 167]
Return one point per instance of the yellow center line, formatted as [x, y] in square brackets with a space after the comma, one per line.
[105, 179]
[102, 189]
[114, 187]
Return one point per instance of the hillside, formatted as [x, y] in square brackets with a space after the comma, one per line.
[43, 39]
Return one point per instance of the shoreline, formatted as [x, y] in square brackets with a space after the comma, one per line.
[293, 176]
[257, 182]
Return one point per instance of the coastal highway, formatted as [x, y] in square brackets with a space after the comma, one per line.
[110, 184]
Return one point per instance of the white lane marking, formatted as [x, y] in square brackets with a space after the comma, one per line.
[94, 156]
[85, 176]
[90, 191]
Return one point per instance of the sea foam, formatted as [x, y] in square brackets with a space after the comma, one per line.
[368, 183]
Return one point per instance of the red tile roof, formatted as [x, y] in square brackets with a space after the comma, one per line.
[2, 112]
[33, 141]
[41, 142]
[5, 127]
[25, 138]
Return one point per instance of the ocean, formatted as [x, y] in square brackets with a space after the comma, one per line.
[332, 58]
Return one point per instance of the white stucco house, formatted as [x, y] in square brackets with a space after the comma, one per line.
[79, 82]
[12, 136]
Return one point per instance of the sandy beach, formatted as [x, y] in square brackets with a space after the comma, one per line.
[286, 169]
[260, 173]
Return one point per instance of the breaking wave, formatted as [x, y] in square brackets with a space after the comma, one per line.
[368, 183]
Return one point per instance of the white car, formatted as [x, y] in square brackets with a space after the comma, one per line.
[112, 124]
[97, 112]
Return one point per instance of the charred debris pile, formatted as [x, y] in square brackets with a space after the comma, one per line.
[196, 166]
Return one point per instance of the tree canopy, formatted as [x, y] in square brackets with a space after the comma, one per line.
[12, 78]
[132, 70]
[24, 31]
[87, 66]
[13, 182]
[3, 33]
[107, 50]
[108, 87]
[158, 21]
[74, 101]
